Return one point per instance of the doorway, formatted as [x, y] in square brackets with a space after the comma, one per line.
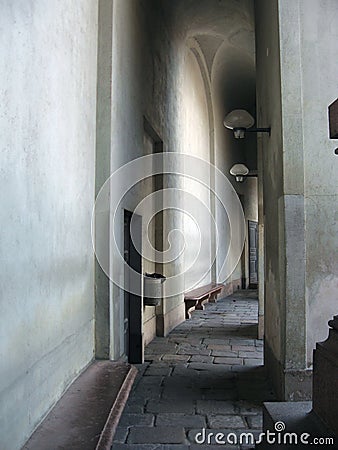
[132, 319]
[253, 254]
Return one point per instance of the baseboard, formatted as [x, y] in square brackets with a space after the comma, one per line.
[167, 322]
[291, 385]
[149, 330]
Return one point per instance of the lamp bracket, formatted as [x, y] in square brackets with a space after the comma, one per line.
[259, 130]
[252, 173]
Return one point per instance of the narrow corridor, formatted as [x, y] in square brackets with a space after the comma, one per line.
[207, 374]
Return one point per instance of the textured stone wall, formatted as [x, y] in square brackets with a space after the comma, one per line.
[317, 31]
[271, 171]
[47, 119]
[296, 83]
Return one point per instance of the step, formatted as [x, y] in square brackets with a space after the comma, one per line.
[295, 417]
[87, 414]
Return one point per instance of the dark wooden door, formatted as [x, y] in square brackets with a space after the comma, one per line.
[253, 254]
[133, 339]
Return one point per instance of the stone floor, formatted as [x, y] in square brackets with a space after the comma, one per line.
[207, 374]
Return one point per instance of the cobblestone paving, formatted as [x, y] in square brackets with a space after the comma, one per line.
[207, 374]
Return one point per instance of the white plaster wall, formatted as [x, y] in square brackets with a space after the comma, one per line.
[169, 30]
[233, 87]
[149, 317]
[319, 66]
[145, 81]
[102, 172]
[127, 132]
[151, 78]
[195, 141]
[47, 120]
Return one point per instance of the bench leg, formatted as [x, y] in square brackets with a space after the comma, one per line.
[200, 303]
[213, 298]
[189, 307]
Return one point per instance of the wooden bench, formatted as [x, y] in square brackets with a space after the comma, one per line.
[86, 416]
[196, 298]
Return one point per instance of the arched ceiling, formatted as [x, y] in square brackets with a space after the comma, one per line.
[222, 18]
[224, 31]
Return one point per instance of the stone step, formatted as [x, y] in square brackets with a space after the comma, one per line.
[298, 418]
[87, 414]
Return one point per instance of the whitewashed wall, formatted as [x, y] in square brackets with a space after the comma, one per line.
[47, 121]
[195, 141]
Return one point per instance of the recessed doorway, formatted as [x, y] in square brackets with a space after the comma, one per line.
[133, 335]
[253, 254]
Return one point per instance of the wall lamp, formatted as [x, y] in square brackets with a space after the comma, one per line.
[240, 121]
[240, 171]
